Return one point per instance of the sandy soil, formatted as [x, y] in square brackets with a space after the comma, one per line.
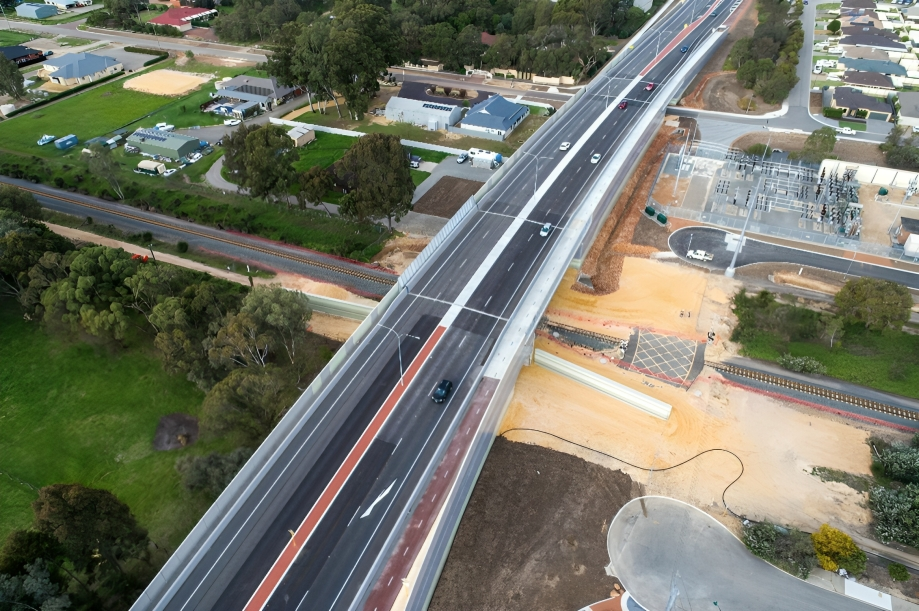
[880, 213]
[333, 327]
[811, 284]
[859, 152]
[399, 253]
[167, 82]
[664, 193]
[646, 298]
[534, 533]
[723, 93]
[229, 62]
[446, 196]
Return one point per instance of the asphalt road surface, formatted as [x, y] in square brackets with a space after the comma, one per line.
[472, 286]
[713, 241]
[677, 547]
[249, 250]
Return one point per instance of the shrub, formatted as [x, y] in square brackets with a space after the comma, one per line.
[182, 247]
[802, 364]
[787, 548]
[833, 113]
[901, 463]
[835, 550]
[211, 473]
[897, 571]
[896, 513]
[758, 150]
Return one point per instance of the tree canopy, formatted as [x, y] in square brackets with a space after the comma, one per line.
[378, 173]
[12, 83]
[819, 145]
[878, 304]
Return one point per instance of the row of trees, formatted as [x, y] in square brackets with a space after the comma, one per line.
[375, 171]
[901, 148]
[767, 61]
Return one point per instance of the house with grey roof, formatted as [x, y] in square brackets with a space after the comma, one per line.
[869, 30]
[495, 116]
[868, 79]
[266, 92]
[909, 109]
[872, 65]
[78, 68]
[852, 100]
[872, 40]
[864, 53]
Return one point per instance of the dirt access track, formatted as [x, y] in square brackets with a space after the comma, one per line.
[534, 533]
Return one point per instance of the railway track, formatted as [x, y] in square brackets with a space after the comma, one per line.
[604, 342]
[817, 391]
[354, 273]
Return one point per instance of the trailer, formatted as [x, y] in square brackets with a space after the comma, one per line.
[152, 168]
[66, 142]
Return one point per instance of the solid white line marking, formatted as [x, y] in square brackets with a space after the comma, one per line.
[379, 498]
[354, 516]
[509, 268]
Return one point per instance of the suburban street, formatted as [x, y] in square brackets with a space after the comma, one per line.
[661, 548]
[445, 325]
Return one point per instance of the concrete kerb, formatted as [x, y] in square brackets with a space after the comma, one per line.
[519, 350]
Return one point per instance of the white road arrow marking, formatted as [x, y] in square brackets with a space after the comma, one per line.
[379, 498]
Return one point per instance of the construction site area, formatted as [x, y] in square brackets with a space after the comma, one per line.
[629, 374]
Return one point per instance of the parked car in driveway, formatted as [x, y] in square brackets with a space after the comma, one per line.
[462, 157]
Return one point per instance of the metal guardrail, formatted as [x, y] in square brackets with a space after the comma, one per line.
[813, 389]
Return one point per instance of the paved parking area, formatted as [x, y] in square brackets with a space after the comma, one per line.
[131, 61]
[669, 358]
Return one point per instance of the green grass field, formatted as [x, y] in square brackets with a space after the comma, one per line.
[325, 150]
[87, 114]
[10, 38]
[829, 6]
[419, 177]
[75, 413]
[73, 41]
[428, 155]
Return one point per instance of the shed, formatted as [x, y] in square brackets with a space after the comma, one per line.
[432, 115]
[165, 144]
[66, 142]
[150, 167]
[246, 110]
[301, 135]
[33, 10]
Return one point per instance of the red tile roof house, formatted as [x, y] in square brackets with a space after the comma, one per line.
[182, 16]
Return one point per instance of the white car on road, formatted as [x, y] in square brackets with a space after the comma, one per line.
[546, 230]
[596, 158]
[565, 146]
[231, 122]
[700, 255]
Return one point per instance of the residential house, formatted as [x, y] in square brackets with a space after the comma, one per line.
[496, 116]
[265, 92]
[864, 53]
[416, 106]
[912, 13]
[22, 56]
[180, 17]
[866, 30]
[32, 10]
[872, 65]
[868, 79]
[909, 109]
[78, 68]
[875, 41]
[852, 100]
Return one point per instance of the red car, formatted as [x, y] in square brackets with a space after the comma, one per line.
[649, 87]
[623, 105]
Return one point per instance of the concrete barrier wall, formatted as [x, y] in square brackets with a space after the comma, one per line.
[633, 398]
[337, 307]
[348, 132]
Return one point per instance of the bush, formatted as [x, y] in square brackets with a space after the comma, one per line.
[211, 473]
[897, 571]
[182, 247]
[833, 113]
[145, 51]
[802, 364]
[787, 548]
[901, 463]
[896, 513]
[835, 550]
[758, 150]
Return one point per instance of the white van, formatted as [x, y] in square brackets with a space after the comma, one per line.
[845, 130]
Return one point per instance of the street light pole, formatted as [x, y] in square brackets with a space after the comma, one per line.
[7, 18]
[729, 272]
[399, 350]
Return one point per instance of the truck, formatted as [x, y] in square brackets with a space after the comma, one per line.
[845, 130]
[700, 255]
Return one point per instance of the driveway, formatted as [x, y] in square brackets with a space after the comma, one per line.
[721, 244]
[131, 61]
[675, 550]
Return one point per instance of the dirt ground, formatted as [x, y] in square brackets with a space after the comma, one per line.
[847, 150]
[399, 253]
[447, 196]
[333, 327]
[722, 93]
[175, 431]
[534, 533]
[167, 82]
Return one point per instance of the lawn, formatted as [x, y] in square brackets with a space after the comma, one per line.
[429, 155]
[325, 150]
[856, 126]
[829, 6]
[87, 114]
[73, 41]
[73, 412]
[10, 38]
[419, 177]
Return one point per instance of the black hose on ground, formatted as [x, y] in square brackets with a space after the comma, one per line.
[625, 462]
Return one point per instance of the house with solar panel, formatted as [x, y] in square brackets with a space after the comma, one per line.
[164, 144]
[414, 105]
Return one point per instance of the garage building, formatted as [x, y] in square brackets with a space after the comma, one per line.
[166, 144]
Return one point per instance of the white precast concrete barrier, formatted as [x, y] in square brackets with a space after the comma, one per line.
[595, 381]
[338, 307]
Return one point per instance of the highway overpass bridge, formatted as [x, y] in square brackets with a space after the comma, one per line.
[335, 504]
